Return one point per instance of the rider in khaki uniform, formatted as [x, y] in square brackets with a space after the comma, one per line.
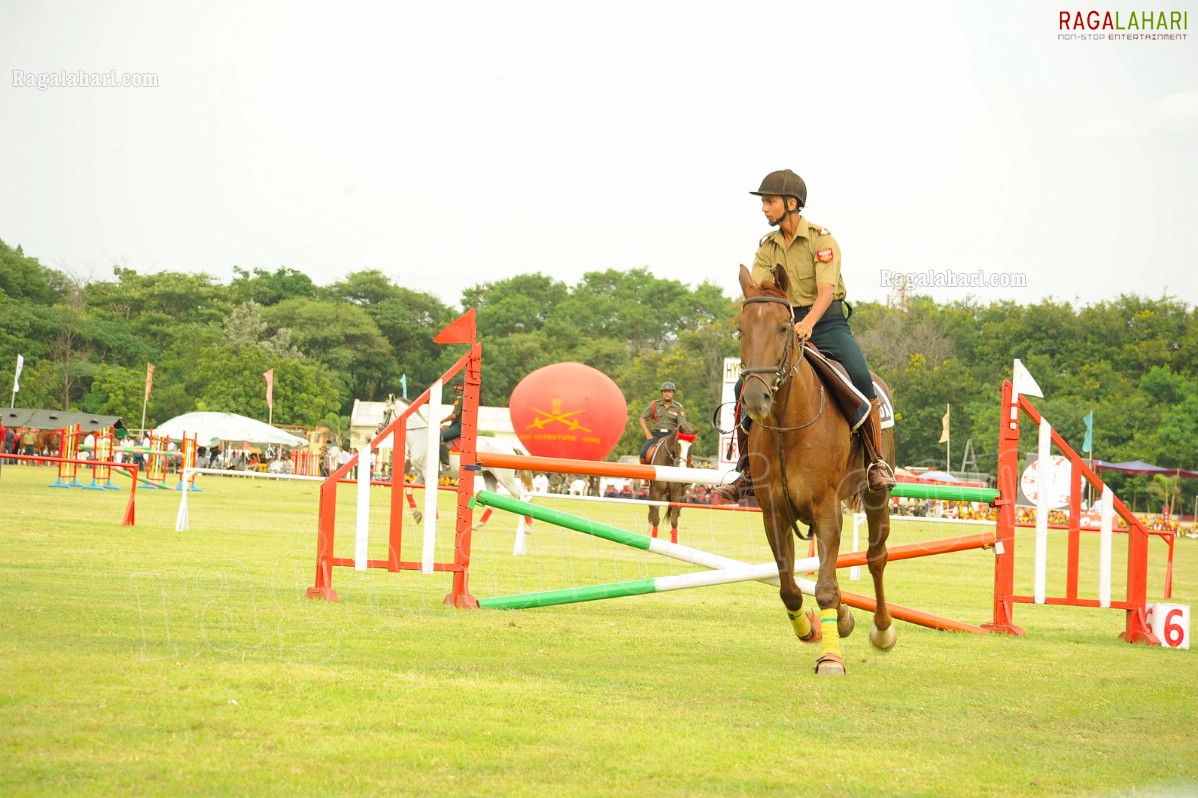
[663, 417]
[811, 258]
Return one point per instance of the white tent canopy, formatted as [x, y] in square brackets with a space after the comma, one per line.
[211, 427]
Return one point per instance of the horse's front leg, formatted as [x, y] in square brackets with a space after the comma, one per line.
[673, 513]
[654, 516]
[826, 526]
[805, 624]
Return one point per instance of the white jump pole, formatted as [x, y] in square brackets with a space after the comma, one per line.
[362, 525]
[1042, 478]
[520, 547]
[858, 520]
[182, 521]
[1105, 529]
[432, 470]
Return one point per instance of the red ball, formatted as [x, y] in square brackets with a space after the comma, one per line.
[568, 410]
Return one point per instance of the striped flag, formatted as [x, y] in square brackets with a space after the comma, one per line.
[149, 380]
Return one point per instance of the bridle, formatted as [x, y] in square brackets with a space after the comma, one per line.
[781, 373]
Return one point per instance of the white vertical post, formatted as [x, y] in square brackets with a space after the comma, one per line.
[182, 521]
[1104, 547]
[1042, 480]
[432, 471]
[521, 544]
[858, 519]
[362, 526]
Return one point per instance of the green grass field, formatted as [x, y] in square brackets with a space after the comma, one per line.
[145, 661]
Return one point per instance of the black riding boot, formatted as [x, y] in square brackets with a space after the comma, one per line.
[735, 491]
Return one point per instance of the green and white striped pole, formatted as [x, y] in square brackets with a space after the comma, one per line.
[952, 493]
[639, 587]
[725, 570]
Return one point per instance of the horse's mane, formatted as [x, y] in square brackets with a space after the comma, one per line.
[767, 287]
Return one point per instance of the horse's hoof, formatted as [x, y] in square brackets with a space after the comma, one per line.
[882, 639]
[419, 516]
[816, 632]
[476, 526]
[845, 622]
[830, 665]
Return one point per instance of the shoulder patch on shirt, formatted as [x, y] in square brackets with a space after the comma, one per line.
[824, 255]
[823, 231]
[764, 238]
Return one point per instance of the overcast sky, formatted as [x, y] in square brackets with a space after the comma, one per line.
[448, 144]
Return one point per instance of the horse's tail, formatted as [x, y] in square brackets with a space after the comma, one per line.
[525, 478]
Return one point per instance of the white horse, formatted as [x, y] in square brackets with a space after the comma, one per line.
[517, 483]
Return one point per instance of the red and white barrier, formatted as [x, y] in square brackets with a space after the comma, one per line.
[1134, 603]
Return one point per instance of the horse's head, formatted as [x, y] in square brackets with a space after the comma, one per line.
[686, 436]
[766, 331]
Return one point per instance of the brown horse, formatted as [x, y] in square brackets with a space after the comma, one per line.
[672, 450]
[805, 461]
[48, 442]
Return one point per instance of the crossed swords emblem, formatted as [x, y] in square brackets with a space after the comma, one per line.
[556, 414]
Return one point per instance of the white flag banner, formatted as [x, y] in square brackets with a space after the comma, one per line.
[16, 380]
[1023, 382]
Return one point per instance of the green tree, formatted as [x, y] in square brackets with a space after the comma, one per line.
[365, 288]
[342, 338]
[409, 320]
[270, 288]
[519, 304]
[23, 278]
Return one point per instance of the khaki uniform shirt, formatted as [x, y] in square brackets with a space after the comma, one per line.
[812, 259]
[663, 416]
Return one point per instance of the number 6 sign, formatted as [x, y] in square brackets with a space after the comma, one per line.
[1171, 624]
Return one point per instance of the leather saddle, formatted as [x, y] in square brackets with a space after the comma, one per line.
[652, 450]
[850, 401]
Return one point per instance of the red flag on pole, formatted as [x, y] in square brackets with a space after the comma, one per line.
[149, 380]
[459, 331]
[270, 388]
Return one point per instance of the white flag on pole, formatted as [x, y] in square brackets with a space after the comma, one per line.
[1023, 382]
[16, 380]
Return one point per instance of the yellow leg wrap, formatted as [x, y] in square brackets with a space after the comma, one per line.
[800, 622]
[831, 633]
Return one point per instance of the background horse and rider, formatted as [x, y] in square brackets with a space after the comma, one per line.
[517, 483]
[672, 450]
[805, 461]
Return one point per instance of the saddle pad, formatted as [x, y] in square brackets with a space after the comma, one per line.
[885, 406]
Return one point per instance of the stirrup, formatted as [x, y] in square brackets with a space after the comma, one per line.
[879, 471]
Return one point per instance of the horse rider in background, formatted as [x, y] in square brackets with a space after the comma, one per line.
[660, 418]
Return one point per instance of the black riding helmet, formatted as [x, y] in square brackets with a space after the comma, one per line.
[784, 183]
